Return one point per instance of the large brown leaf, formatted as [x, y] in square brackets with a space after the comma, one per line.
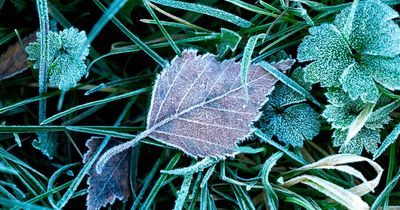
[113, 183]
[13, 61]
[199, 106]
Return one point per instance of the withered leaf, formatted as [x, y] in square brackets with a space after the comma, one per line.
[13, 61]
[198, 104]
[113, 183]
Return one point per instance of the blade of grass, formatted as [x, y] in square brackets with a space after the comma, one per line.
[202, 9]
[166, 34]
[134, 38]
[289, 82]
[94, 103]
[150, 198]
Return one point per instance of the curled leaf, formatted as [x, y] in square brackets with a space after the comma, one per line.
[350, 198]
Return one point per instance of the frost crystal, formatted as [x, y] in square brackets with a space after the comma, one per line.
[358, 57]
[66, 57]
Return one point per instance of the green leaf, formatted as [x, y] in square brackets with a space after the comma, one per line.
[46, 143]
[343, 112]
[356, 51]
[291, 124]
[366, 138]
[229, 41]
[66, 58]
[381, 116]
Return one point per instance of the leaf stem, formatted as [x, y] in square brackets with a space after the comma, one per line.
[117, 149]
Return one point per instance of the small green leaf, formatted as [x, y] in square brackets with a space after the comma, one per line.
[229, 40]
[46, 143]
[66, 57]
[287, 118]
[367, 138]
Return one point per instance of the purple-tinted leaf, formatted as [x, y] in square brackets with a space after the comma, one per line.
[113, 183]
[13, 61]
[198, 104]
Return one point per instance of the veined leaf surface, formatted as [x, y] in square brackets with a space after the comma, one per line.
[198, 103]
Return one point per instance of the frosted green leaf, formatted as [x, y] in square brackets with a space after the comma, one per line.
[229, 41]
[33, 49]
[298, 76]
[285, 117]
[66, 57]
[357, 82]
[284, 96]
[381, 116]
[325, 42]
[65, 71]
[366, 138]
[373, 31]
[73, 41]
[295, 124]
[356, 58]
[343, 111]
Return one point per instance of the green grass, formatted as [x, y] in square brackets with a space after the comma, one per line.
[131, 41]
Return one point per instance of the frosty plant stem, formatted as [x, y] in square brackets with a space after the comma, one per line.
[44, 54]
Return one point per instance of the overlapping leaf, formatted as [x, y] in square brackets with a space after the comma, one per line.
[355, 57]
[113, 183]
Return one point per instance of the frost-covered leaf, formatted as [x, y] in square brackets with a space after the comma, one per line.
[33, 49]
[366, 138]
[342, 113]
[381, 116]
[66, 71]
[198, 104]
[14, 61]
[73, 41]
[287, 118]
[355, 59]
[113, 183]
[66, 57]
[293, 125]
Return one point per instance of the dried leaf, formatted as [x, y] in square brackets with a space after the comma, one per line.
[199, 106]
[113, 182]
[13, 61]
